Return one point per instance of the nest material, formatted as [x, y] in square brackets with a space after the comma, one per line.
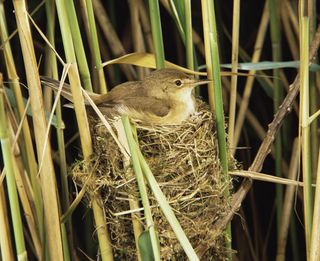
[184, 161]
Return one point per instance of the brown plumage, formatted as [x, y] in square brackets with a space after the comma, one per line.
[163, 97]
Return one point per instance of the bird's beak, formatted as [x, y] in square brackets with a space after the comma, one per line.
[195, 82]
[201, 82]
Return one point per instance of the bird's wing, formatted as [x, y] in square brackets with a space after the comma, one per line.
[133, 106]
[120, 92]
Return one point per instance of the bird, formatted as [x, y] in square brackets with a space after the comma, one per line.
[163, 97]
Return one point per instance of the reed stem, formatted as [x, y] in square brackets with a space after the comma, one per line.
[157, 33]
[10, 178]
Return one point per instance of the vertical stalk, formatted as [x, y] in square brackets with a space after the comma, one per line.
[47, 175]
[206, 33]
[294, 240]
[74, 78]
[145, 23]
[277, 98]
[188, 34]
[49, 54]
[263, 26]
[111, 36]
[5, 239]
[211, 35]
[287, 208]
[85, 137]
[142, 188]
[234, 77]
[192, 62]
[15, 85]
[314, 92]
[137, 35]
[25, 195]
[95, 48]
[10, 178]
[213, 67]
[305, 129]
[157, 33]
[315, 235]
[177, 13]
[52, 70]
[78, 45]
[288, 30]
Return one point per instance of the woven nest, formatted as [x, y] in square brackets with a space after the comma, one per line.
[184, 161]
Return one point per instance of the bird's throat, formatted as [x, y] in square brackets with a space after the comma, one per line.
[183, 106]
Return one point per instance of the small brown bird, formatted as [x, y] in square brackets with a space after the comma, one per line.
[163, 97]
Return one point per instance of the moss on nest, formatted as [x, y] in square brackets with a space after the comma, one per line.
[185, 163]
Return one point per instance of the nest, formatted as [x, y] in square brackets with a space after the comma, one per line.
[185, 163]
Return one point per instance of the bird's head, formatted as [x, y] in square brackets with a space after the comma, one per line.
[171, 83]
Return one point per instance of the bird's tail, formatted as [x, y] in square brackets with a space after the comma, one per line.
[54, 85]
[66, 90]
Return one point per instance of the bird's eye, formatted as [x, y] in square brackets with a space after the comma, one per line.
[178, 83]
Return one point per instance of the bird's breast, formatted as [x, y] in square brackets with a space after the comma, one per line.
[182, 108]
